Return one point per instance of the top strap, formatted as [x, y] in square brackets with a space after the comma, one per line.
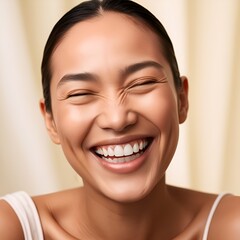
[211, 213]
[27, 214]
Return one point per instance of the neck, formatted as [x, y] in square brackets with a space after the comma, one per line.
[144, 219]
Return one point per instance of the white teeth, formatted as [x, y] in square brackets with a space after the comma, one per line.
[118, 151]
[122, 150]
[105, 152]
[128, 150]
[99, 151]
[135, 148]
[110, 152]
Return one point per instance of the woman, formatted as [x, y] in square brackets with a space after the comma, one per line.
[114, 99]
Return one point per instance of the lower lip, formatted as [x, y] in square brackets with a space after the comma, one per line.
[125, 167]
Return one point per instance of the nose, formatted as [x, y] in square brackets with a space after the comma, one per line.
[116, 117]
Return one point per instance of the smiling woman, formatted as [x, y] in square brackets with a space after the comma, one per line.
[114, 104]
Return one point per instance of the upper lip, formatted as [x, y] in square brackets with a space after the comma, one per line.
[119, 140]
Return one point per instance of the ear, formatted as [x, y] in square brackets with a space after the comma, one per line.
[183, 100]
[49, 122]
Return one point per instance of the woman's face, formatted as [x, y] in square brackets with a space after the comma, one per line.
[115, 110]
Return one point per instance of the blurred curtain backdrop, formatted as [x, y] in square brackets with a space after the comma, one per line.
[206, 36]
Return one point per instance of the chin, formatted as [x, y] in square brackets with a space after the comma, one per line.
[127, 196]
[128, 192]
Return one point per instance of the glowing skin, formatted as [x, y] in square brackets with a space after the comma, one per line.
[111, 85]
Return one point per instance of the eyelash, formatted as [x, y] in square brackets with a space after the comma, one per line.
[78, 95]
[146, 82]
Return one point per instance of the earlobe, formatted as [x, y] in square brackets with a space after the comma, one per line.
[183, 100]
[49, 122]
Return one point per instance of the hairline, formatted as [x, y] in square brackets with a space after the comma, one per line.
[134, 19]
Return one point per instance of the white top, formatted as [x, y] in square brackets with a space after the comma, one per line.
[28, 216]
[27, 213]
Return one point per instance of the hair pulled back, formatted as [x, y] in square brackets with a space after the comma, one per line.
[93, 8]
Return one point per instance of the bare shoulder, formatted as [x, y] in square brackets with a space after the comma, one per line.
[226, 221]
[54, 202]
[55, 211]
[10, 227]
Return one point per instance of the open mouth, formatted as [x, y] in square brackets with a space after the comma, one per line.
[124, 152]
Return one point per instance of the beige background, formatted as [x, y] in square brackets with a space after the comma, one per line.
[206, 36]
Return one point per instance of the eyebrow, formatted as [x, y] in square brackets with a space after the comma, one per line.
[141, 65]
[77, 77]
[126, 72]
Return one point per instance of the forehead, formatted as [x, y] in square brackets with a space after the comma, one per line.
[109, 22]
[108, 38]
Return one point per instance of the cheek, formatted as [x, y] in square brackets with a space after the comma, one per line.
[73, 123]
[159, 107]
[162, 112]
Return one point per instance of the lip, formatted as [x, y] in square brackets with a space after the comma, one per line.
[125, 167]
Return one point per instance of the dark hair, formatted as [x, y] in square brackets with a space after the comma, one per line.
[93, 8]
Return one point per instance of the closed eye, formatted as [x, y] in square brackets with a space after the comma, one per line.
[78, 95]
[81, 97]
[144, 83]
[147, 82]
